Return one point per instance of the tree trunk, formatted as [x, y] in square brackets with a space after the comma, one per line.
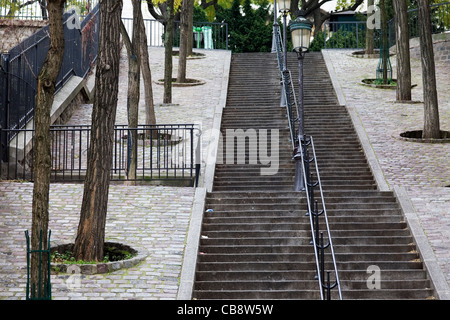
[403, 60]
[431, 129]
[134, 77]
[369, 34]
[168, 44]
[150, 117]
[42, 154]
[384, 39]
[190, 29]
[90, 238]
[184, 26]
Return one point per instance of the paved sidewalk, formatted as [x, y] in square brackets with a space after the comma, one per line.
[152, 219]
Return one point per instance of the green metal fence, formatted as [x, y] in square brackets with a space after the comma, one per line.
[42, 290]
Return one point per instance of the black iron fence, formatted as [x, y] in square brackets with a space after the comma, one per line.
[37, 9]
[21, 65]
[346, 35]
[352, 34]
[206, 35]
[164, 152]
[440, 21]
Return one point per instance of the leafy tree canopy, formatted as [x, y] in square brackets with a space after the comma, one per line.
[250, 28]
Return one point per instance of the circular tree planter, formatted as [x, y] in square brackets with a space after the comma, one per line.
[164, 139]
[371, 83]
[188, 83]
[194, 56]
[100, 267]
[362, 54]
[416, 136]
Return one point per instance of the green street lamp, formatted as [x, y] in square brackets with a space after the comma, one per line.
[285, 6]
[301, 35]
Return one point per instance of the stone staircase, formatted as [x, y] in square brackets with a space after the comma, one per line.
[255, 239]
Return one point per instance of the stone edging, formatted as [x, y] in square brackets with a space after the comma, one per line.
[99, 268]
[397, 135]
[187, 277]
[198, 82]
[382, 86]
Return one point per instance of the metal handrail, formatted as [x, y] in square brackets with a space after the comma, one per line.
[300, 145]
[313, 212]
[288, 91]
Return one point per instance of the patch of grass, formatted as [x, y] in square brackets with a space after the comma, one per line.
[111, 254]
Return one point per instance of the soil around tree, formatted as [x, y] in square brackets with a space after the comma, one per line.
[416, 136]
[363, 55]
[373, 83]
[189, 82]
[193, 56]
[120, 256]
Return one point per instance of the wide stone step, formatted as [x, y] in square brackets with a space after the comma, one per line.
[303, 257]
[353, 212]
[289, 240]
[291, 198]
[386, 266]
[295, 285]
[297, 206]
[295, 275]
[306, 248]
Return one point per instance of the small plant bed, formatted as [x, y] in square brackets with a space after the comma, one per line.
[194, 55]
[363, 55]
[377, 83]
[161, 139]
[416, 136]
[189, 82]
[117, 256]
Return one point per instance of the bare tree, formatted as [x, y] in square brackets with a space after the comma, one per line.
[431, 127]
[134, 80]
[184, 36]
[150, 117]
[369, 33]
[89, 242]
[46, 82]
[312, 7]
[168, 44]
[403, 58]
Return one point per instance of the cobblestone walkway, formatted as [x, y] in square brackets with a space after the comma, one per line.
[153, 219]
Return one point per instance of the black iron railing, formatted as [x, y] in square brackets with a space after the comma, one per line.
[20, 67]
[318, 217]
[207, 35]
[440, 21]
[163, 152]
[319, 223]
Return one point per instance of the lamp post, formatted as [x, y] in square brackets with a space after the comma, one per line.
[301, 33]
[285, 8]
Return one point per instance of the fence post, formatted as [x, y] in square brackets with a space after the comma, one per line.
[4, 80]
[30, 290]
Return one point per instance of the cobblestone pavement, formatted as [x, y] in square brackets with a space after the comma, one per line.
[153, 219]
[423, 169]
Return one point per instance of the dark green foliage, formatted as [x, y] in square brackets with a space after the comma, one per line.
[250, 30]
